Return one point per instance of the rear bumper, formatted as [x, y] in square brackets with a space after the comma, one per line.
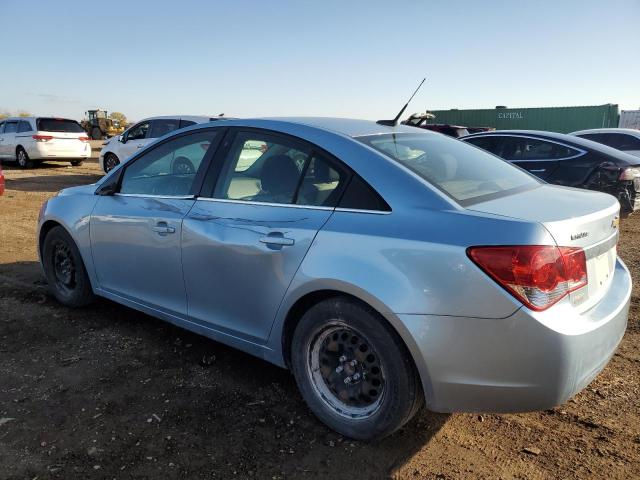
[41, 151]
[527, 361]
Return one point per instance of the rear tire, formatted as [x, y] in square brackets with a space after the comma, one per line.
[64, 269]
[111, 161]
[353, 370]
[76, 163]
[23, 158]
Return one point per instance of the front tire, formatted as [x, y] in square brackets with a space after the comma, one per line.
[23, 158]
[76, 163]
[111, 161]
[353, 370]
[64, 269]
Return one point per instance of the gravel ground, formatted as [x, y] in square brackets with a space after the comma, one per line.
[107, 392]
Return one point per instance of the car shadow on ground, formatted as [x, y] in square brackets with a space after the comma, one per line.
[112, 387]
[49, 183]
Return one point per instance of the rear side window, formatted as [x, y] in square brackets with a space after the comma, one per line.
[163, 126]
[516, 148]
[58, 125]
[24, 126]
[464, 173]
[360, 196]
[10, 127]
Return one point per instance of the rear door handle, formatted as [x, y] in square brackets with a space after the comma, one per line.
[162, 228]
[277, 240]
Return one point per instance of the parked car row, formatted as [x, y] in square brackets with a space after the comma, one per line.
[32, 139]
[388, 267]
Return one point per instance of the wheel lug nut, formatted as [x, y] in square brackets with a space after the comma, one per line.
[339, 369]
[356, 376]
[353, 363]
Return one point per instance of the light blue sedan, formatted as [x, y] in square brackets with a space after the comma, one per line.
[389, 267]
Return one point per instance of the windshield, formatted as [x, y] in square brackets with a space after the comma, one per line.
[59, 125]
[465, 173]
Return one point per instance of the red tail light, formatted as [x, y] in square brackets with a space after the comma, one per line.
[83, 139]
[537, 275]
[42, 138]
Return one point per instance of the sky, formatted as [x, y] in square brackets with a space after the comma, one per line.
[359, 59]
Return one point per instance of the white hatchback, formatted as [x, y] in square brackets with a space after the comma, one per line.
[120, 148]
[30, 139]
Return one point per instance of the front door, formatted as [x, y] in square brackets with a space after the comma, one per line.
[243, 245]
[136, 233]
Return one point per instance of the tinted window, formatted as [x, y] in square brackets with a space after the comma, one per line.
[1, 127]
[138, 132]
[486, 143]
[621, 141]
[24, 126]
[461, 171]
[360, 196]
[524, 148]
[58, 125]
[186, 123]
[262, 168]
[322, 182]
[163, 126]
[10, 127]
[170, 168]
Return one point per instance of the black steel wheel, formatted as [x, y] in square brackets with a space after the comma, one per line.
[353, 369]
[64, 269]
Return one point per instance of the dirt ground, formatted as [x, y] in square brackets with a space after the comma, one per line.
[107, 392]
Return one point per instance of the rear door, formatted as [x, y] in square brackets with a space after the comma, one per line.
[245, 239]
[136, 233]
[8, 144]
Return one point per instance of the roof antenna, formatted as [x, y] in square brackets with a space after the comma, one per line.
[394, 122]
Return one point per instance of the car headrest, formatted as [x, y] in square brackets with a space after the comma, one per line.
[279, 175]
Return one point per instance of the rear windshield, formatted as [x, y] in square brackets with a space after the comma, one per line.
[59, 125]
[465, 173]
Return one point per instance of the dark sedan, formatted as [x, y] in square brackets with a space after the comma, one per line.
[568, 160]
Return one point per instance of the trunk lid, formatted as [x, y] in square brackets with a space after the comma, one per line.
[574, 218]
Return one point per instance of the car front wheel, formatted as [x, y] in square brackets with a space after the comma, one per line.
[64, 269]
[353, 370]
[110, 162]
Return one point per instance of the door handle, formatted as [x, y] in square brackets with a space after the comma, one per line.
[162, 228]
[276, 239]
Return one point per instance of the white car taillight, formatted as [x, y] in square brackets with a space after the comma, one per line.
[629, 173]
[537, 275]
[42, 138]
[83, 139]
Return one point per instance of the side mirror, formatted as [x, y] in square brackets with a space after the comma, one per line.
[111, 185]
[122, 138]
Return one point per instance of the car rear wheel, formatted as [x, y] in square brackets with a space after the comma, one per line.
[96, 134]
[64, 269]
[353, 370]
[111, 161]
[23, 159]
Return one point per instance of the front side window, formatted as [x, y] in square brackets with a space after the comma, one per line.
[138, 132]
[170, 168]
[163, 126]
[464, 173]
[11, 127]
[272, 169]
[24, 126]
[58, 125]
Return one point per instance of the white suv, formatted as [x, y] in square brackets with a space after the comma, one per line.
[119, 149]
[30, 139]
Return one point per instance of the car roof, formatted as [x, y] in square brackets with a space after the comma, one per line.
[194, 118]
[630, 131]
[344, 126]
[566, 138]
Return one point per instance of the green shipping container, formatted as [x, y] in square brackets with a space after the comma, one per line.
[552, 119]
